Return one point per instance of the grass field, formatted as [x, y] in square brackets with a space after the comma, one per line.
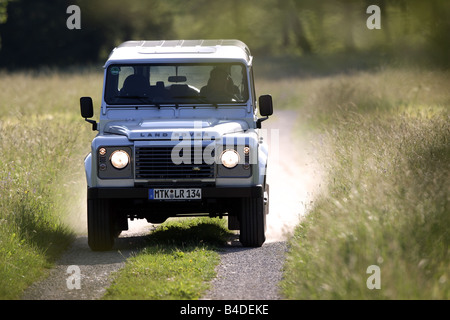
[177, 263]
[385, 141]
[43, 142]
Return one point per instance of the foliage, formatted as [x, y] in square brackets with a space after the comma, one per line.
[3, 13]
[35, 32]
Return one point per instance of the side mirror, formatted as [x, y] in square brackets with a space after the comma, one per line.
[87, 107]
[265, 108]
[265, 105]
[87, 111]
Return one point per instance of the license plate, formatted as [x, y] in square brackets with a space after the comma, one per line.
[175, 194]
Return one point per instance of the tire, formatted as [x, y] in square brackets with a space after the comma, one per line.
[101, 227]
[252, 222]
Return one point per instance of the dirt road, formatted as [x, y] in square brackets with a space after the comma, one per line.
[294, 178]
[243, 273]
[94, 267]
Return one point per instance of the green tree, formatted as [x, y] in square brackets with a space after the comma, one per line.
[3, 13]
[36, 34]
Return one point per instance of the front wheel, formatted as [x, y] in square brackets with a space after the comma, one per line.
[253, 222]
[101, 229]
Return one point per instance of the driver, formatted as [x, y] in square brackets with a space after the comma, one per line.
[220, 86]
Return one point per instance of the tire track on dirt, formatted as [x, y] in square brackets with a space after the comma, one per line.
[294, 177]
[95, 267]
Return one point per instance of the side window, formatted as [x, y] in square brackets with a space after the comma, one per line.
[252, 85]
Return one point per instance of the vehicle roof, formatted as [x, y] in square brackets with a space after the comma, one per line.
[180, 51]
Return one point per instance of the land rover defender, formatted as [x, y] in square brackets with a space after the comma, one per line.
[179, 135]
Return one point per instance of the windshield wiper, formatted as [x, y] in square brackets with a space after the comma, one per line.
[142, 99]
[201, 99]
[132, 97]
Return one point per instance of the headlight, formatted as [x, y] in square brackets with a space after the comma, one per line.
[119, 159]
[230, 158]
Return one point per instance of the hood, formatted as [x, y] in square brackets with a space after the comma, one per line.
[174, 129]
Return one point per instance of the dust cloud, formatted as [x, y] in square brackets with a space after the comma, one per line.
[75, 215]
[293, 174]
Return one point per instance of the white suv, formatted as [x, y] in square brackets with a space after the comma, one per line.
[179, 135]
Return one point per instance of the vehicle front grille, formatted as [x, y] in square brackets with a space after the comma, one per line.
[155, 163]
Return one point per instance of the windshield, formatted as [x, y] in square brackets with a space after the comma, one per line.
[144, 84]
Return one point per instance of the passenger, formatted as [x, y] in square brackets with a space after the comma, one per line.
[135, 85]
[220, 87]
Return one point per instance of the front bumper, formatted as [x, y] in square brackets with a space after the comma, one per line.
[207, 193]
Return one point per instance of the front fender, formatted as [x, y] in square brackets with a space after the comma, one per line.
[88, 169]
[263, 155]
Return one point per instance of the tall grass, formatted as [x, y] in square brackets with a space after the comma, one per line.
[386, 148]
[42, 145]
